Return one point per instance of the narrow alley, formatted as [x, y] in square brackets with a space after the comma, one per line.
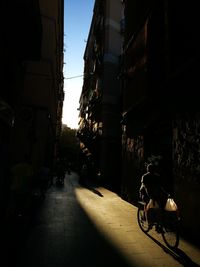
[79, 227]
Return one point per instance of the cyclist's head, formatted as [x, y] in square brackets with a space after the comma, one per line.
[151, 167]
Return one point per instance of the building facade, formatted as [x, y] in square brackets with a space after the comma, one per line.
[160, 107]
[139, 101]
[99, 129]
[31, 95]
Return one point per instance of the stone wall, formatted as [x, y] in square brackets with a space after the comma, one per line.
[186, 164]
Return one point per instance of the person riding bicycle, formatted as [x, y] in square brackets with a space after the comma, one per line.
[152, 190]
[152, 187]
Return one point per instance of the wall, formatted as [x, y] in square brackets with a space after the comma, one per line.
[186, 141]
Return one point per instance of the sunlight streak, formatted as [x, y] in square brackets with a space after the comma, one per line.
[115, 228]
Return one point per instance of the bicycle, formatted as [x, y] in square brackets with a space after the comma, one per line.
[165, 222]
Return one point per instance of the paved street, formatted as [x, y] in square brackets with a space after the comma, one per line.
[80, 227]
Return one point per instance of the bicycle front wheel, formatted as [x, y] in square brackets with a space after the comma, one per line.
[170, 234]
[142, 220]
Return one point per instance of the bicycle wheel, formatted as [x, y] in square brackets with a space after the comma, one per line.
[170, 232]
[142, 220]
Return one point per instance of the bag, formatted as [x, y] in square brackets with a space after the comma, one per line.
[171, 205]
[152, 204]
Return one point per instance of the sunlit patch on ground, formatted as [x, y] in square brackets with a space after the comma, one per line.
[117, 227]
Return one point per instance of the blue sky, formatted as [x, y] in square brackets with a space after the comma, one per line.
[77, 20]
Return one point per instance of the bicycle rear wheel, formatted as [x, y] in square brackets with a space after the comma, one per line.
[142, 220]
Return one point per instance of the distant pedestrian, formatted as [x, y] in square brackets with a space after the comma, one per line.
[21, 186]
[60, 171]
[44, 179]
[83, 175]
[69, 166]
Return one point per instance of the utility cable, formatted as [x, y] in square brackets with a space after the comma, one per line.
[73, 77]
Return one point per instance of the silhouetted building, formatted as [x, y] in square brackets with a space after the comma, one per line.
[99, 127]
[139, 98]
[31, 95]
[160, 105]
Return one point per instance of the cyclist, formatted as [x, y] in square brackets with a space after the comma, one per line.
[152, 192]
